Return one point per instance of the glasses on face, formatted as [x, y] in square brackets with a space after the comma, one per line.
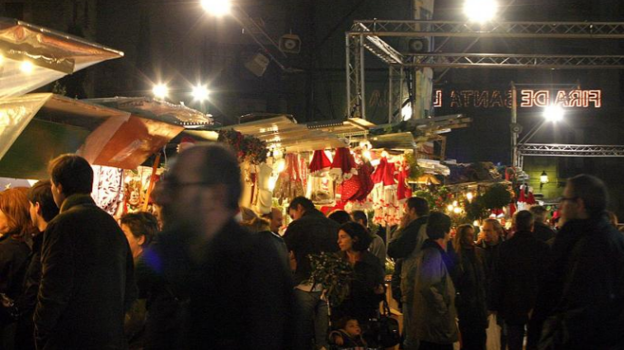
[571, 199]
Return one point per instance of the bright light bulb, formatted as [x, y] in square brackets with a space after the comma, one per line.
[469, 196]
[161, 91]
[406, 112]
[200, 93]
[554, 113]
[280, 165]
[217, 7]
[480, 10]
[475, 223]
[450, 207]
[27, 67]
[366, 154]
[457, 210]
[454, 203]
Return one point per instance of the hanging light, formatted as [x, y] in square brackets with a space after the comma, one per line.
[543, 179]
[469, 196]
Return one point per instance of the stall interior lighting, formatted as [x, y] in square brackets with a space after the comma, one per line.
[27, 67]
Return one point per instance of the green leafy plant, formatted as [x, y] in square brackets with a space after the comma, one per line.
[333, 273]
[496, 197]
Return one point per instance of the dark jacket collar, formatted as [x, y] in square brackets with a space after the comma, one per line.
[76, 200]
[585, 226]
[446, 258]
[312, 213]
[421, 220]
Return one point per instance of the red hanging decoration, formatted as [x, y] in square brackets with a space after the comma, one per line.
[343, 167]
[319, 164]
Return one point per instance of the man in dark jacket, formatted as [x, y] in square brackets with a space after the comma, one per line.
[581, 297]
[42, 210]
[87, 279]
[518, 268]
[310, 233]
[541, 230]
[237, 291]
[406, 247]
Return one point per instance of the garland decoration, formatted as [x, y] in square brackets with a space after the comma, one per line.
[246, 147]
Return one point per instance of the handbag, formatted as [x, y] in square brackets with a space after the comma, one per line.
[387, 328]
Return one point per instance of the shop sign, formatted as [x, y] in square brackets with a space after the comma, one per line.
[527, 98]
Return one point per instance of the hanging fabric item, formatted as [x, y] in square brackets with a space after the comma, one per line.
[343, 167]
[512, 208]
[531, 198]
[365, 172]
[522, 200]
[289, 184]
[384, 194]
[320, 164]
[264, 198]
[403, 190]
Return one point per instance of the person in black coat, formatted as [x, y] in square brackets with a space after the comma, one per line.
[518, 267]
[470, 285]
[366, 290]
[42, 210]
[310, 233]
[87, 281]
[541, 230]
[154, 319]
[580, 303]
[16, 231]
[238, 293]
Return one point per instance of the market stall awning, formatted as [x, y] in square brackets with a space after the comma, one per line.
[32, 56]
[35, 128]
[283, 131]
[156, 109]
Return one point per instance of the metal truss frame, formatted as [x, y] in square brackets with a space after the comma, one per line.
[567, 150]
[516, 61]
[367, 34]
[561, 30]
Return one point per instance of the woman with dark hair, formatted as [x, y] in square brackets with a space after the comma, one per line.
[367, 289]
[470, 285]
[16, 229]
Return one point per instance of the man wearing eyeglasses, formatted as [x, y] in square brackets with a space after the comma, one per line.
[580, 303]
[238, 290]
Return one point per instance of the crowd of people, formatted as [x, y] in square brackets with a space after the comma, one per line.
[207, 274]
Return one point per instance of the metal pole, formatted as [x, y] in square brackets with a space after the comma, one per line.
[362, 91]
[390, 92]
[514, 120]
[348, 70]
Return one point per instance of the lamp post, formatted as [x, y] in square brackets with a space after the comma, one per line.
[543, 179]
